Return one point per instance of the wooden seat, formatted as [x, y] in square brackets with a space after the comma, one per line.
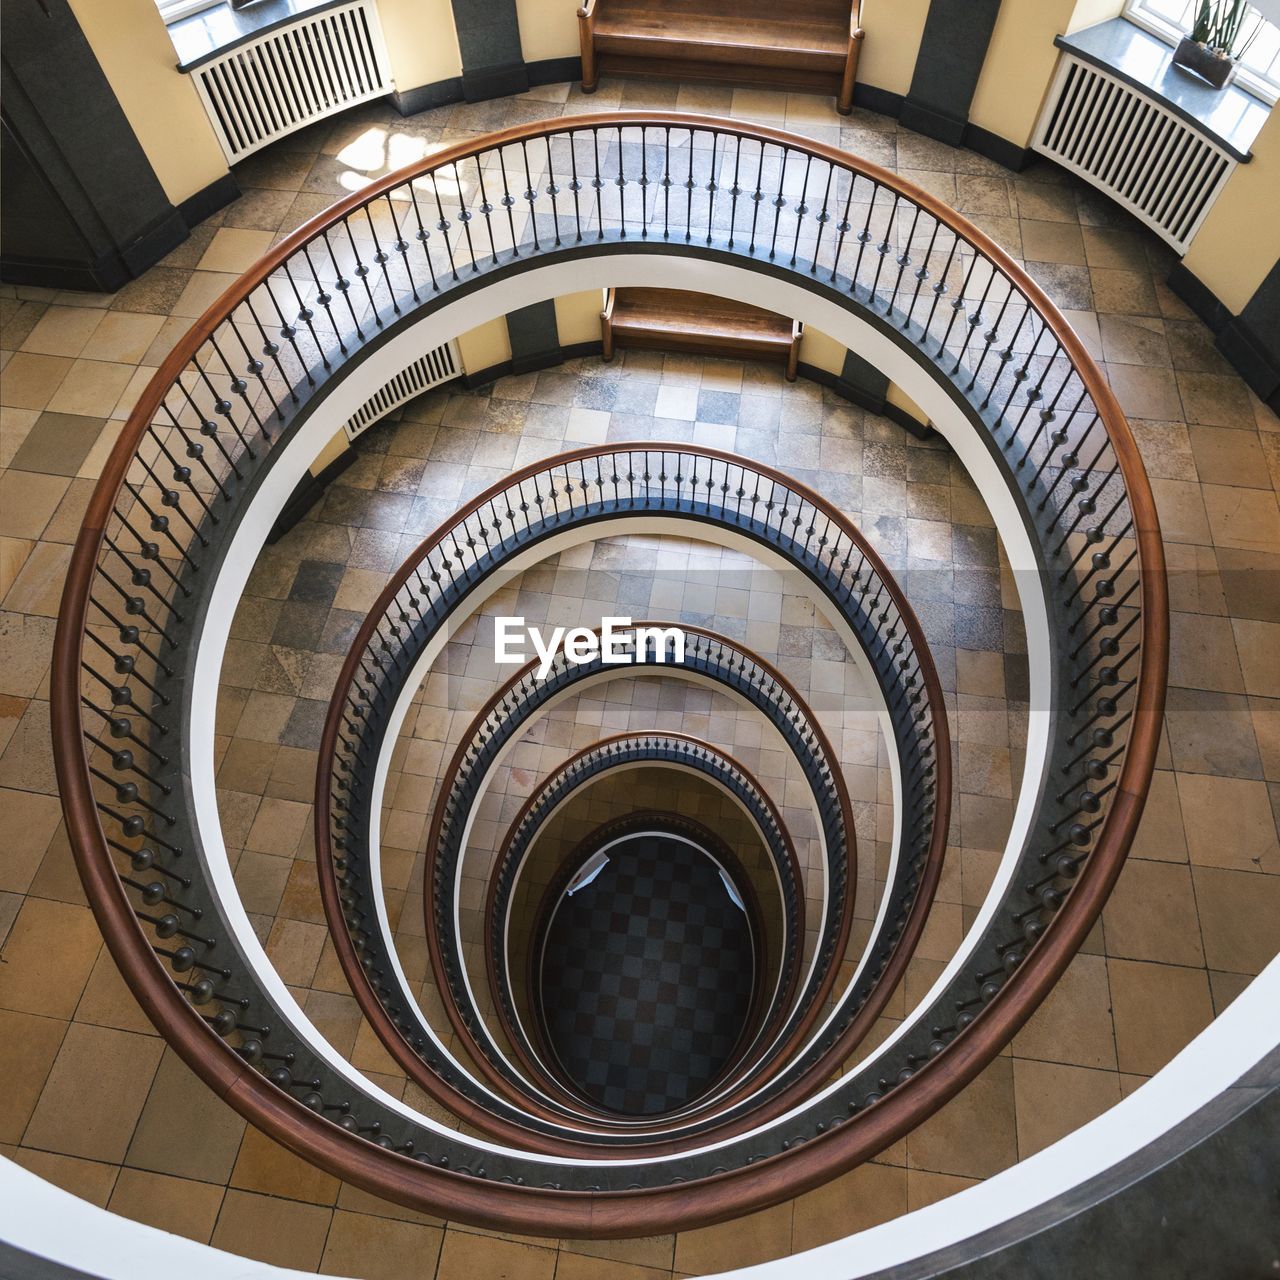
[677, 320]
[807, 45]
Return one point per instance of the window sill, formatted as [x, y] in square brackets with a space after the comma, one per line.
[205, 35]
[1230, 117]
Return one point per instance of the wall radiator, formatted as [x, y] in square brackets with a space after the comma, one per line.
[1140, 153]
[440, 365]
[294, 75]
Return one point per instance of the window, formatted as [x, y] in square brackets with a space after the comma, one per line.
[172, 10]
[1259, 71]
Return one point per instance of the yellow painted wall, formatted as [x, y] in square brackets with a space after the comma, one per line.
[548, 28]
[578, 317]
[1018, 67]
[1022, 58]
[1239, 242]
[888, 56]
[136, 55]
[330, 453]
[896, 396]
[421, 41]
[1089, 12]
[821, 351]
[485, 346]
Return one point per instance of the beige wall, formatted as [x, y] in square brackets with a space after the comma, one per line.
[330, 453]
[888, 56]
[1021, 60]
[1089, 12]
[1239, 242]
[485, 346]
[821, 351]
[548, 28]
[900, 400]
[1018, 67]
[421, 41]
[136, 55]
[578, 317]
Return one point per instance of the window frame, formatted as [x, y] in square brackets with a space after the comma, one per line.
[1265, 87]
[175, 10]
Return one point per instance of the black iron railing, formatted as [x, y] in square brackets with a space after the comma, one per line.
[251, 371]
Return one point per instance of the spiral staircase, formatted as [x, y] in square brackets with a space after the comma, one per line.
[520, 1119]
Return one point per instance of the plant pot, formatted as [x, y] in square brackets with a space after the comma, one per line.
[1211, 66]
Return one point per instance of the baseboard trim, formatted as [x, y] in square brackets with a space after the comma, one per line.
[1250, 354]
[310, 489]
[883, 102]
[114, 270]
[105, 275]
[495, 82]
[554, 70]
[996, 148]
[865, 399]
[425, 97]
[1199, 297]
[1256, 361]
[206, 202]
[504, 369]
[933, 124]
[155, 242]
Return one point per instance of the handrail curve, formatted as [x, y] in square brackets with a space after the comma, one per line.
[206, 424]
[582, 488]
[653, 748]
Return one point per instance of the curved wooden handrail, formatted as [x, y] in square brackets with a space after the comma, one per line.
[638, 819]
[722, 853]
[718, 1196]
[458, 760]
[394, 1040]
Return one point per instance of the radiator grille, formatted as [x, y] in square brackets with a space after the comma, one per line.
[1147, 158]
[426, 372]
[262, 90]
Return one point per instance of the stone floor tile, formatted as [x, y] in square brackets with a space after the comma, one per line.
[94, 1093]
[265, 1166]
[758, 1237]
[467, 1254]
[31, 380]
[1238, 911]
[178, 1205]
[180, 1103]
[974, 1134]
[30, 980]
[28, 501]
[91, 388]
[1258, 648]
[1054, 1100]
[63, 331]
[1151, 914]
[1246, 519]
[28, 1046]
[284, 1233]
[1073, 1025]
[1157, 1008]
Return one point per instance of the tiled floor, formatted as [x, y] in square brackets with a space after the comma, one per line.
[1195, 912]
[647, 977]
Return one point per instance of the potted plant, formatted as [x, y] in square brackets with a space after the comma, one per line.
[1216, 41]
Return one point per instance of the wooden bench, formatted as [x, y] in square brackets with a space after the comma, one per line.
[677, 320]
[802, 45]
